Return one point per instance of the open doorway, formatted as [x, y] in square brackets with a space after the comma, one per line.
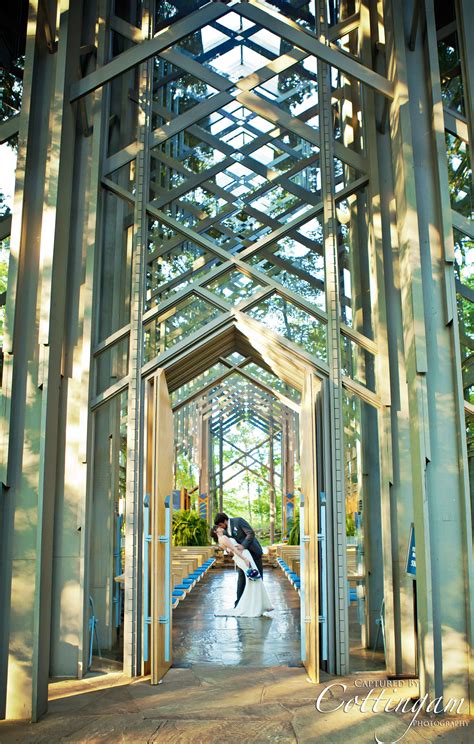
[161, 471]
[211, 380]
[236, 451]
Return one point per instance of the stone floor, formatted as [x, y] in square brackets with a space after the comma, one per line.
[209, 703]
[199, 637]
[235, 679]
[271, 640]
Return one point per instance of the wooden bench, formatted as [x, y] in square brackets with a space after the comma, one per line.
[188, 565]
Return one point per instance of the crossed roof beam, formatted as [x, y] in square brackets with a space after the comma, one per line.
[161, 43]
[239, 396]
[218, 218]
[242, 93]
[231, 368]
[269, 286]
[255, 421]
[248, 453]
[233, 411]
[283, 27]
[226, 402]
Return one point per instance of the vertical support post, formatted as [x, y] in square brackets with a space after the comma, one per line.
[146, 581]
[221, 467]
[271, 476]
[334, 357]
[435, 404]
[397, 505]
[324, 580]
[132, 597]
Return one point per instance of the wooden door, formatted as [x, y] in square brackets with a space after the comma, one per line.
[309, 528]
[161, 453]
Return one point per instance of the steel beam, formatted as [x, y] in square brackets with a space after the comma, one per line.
[310, 44]
[146, 49]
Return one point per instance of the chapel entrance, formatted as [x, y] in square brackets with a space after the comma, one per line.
[262, 347]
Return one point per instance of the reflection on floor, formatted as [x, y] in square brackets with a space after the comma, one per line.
[200, 637]
[362, 659]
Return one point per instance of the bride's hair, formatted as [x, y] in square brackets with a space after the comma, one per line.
[214, 534]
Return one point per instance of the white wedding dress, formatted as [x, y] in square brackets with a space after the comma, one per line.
[254, 600]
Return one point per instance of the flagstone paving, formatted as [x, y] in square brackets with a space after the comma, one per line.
[208, 703]
[236, 680]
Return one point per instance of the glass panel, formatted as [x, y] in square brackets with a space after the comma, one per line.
[111, 365]
[339, 11]
[354, 263]
[464, 274]
[107, 522]
[116, 264]
[185, 318]
[175, 91]
[195, 205]
[198, 382]
[234, 286]
[8, 159]
[235, 125]
[357, 363]
[268, 378]
[181, 156]
[235, 357]
[285, 152]
[278, 204]
[158, 232]
[302, 13]
[123, 107]
[297, 267]
[295, 90]
[166, 11]
[363, 531]
[243, 225]
[176, 268]
[460, 175]
[451, 72]
[293, 323]
[12, 60]
[129, 10]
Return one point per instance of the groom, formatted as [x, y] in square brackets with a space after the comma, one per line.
[242, 532]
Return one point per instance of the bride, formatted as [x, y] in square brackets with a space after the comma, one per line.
[254, 600]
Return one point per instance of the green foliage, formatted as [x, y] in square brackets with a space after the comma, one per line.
[11, 88]
[450, 73]
[464, 273]
[350, 525]
[294, 536]
[187, 475]
[189, 529]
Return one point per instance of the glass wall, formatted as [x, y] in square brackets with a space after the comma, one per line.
[461, 188]
[363, 534]
[12, 63]
[107, 517]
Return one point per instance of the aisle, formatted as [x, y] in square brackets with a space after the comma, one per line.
[199, 637]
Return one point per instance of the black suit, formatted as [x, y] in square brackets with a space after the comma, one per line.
[242, 532]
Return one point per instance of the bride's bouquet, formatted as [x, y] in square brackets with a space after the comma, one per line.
[253, 574]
